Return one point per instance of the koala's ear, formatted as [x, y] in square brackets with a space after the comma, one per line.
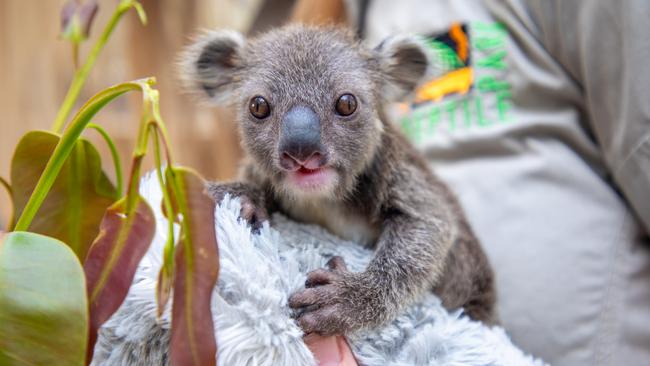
[209, 66]
[404, 62]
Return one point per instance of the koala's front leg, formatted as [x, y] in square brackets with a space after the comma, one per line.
[409, 258]
[253, 200]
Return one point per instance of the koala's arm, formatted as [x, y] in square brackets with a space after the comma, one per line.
[418, 229]
[417, 232]
[412, 249]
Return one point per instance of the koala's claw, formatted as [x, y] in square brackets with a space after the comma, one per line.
[337, 263]
[324, 321]
[251, 200]
[310, 297]
[320, 277]
[253, 214]
[324, 299]
[323, 276]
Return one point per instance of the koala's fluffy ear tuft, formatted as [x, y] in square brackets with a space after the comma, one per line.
[404, 62]
[209, 66]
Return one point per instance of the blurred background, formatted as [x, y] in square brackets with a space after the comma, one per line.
[36, 68]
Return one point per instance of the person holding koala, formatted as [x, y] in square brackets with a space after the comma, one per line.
[539, 122]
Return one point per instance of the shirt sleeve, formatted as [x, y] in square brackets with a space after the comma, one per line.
[605, 47]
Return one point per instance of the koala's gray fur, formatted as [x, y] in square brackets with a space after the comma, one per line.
[384, 193]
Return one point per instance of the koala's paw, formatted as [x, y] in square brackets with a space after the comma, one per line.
[330, 300]
[253, 213]
[252, 207]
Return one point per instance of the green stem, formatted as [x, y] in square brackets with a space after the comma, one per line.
[116, 157]
[66, 144]
[150, 122]
[160, 126]
[178, 188]
[168, 252]
[82, 74]
[166, 198]
[7, 186]
[155, 125]
[139, 152]
[132, 193]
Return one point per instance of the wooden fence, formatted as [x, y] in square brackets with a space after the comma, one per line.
[36, 68]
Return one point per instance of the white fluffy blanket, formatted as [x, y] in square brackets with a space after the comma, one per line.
[253, 322]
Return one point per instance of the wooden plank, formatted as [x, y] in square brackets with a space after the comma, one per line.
[36, 68]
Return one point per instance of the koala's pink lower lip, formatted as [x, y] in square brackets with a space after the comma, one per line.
[308, 179]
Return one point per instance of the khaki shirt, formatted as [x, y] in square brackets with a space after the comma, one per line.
[540, 122]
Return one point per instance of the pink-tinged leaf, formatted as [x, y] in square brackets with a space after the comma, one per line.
[195, 272]
[113, 259]
[166, 273]
[163, 289]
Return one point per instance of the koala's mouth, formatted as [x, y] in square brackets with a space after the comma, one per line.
[309, 173]
[305, 170]
[312, 179]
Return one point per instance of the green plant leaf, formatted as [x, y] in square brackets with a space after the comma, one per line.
[195, 271]
[81, 192]
[119, 180]
[7, 187]
[43, 308]
[67, 144]
[113, 259]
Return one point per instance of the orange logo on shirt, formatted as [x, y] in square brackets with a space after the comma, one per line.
[453, 52]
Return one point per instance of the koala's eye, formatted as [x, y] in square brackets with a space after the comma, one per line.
[346, 104]
[259, 107]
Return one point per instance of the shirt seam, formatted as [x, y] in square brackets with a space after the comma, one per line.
[637, 147]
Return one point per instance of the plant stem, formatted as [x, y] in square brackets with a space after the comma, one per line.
[82, 74]
[166, 198]
[7, 186]
[66, 144]
[116, 157]
[168, 252]
[178, 188]
[151, 122]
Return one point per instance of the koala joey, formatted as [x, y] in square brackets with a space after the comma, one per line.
[320, 149]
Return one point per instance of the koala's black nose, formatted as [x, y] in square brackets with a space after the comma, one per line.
[300, 143]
